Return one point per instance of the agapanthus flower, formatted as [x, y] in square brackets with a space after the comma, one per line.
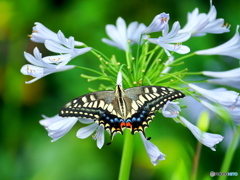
[221, 97]
[158, 23]
[230, 48]
[153, 152]
[229, 78]
[65, 46]
[40, 68]
[85, 132]
[121, 34]
[171, 41]
[200, 24]
[171, 109]
[207, 139]
[58, 126]
[40, 34]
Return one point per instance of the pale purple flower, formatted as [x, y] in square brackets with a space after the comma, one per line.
[40, 34]
[58, 126]
[227, 78]
[207, 139]
[39, 68]
[158, 23]
[134, 31]
[121, 34]
[171, 41]
[222, 97]
[153, 152]
[230, 48]
[200, 23]
[215, 26]
[85, 132]
[171, 109]
[65, 46]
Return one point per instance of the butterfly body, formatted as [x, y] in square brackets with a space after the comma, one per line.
[131, 108]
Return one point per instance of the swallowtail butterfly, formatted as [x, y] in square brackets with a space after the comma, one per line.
[132, 108]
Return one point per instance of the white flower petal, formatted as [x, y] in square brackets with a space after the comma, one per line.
[58, 126]
[171, 109]
[172, 37]
[40, 68]
[226, 98]
[153, 152]
[231, 82]
[230, 48]
[34, 60]
[99, 136]
[62, 39]
[112, 43]
[85, 132]
[77, 52]
[200, 24]
[158, 23]
[32, 70]
[207, 139]
[85, 120]
[40, 34]
[57, 59]
[223, 74]
[120, 34]
[56, 47]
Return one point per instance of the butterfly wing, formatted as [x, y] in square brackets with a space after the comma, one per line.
[90, 106]
[145, 101]
[100, 106]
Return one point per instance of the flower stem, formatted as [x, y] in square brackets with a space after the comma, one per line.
[230, 152]
[196, 161]
[184, 57]
[126, 161]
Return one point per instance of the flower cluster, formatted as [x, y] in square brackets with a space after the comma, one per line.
[146, 67]
[57, 43]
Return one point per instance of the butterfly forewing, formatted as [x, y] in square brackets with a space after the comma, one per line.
[153, 98]
[90, 106]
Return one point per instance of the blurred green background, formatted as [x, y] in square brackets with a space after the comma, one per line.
[25, 149]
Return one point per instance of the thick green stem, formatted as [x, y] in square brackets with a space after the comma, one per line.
[126, 161]
[230, 152]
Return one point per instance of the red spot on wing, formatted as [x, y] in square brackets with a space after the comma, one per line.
[127, 125]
